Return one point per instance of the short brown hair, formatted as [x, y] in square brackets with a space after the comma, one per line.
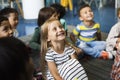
[83, 6]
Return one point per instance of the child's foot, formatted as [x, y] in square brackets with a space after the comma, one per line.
[104, 55]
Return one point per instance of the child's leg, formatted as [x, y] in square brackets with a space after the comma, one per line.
[88, 48]
[99, 45]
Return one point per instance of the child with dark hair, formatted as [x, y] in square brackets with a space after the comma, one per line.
[60, 13]
[12, 16]
[44, 14]
[87, 35]
[15, 63]
[5, 27]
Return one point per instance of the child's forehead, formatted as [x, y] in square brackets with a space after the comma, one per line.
[85, 8]
[55, 22]
[13, 14]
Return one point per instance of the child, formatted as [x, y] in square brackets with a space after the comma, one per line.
[115, 74]
[12, 16]
[15, 63]
[55, 52]
[111, 39]
[44, 14]
[60, 13]
[88, 32]
[5, 28]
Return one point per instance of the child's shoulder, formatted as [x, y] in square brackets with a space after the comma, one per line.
[96, 25]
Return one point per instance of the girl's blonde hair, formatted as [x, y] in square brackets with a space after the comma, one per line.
[44, 43]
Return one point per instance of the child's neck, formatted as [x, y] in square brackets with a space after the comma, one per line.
[88, 23]
[59, 47]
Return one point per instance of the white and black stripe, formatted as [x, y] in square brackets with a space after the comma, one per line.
[72, 70]
[68, 68]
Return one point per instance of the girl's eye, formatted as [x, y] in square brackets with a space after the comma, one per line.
[90, 10]
[60, 26]
[85, 12]
[54, 29]
[6, 29]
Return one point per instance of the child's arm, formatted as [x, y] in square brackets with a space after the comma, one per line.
[53, 69]
[74, 56]
[72, 37]
[34, 42]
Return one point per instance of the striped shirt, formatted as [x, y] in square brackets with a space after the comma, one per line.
[59, 59]
[87, 33]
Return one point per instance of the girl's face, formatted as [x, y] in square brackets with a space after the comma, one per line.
[13, 19]
[86, 14]
[118, 44]
[56, 31]
[5, 29]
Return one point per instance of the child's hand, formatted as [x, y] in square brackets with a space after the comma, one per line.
[58, 78]
[78, 50]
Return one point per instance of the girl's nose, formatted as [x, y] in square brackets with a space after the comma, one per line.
[59, 29]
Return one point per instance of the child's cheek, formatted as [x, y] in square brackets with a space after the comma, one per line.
[119, 46]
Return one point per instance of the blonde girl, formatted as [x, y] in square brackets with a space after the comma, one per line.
[54, 50]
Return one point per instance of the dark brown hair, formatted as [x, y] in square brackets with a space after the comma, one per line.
[83, 6]
[6, 11]
[44, 14]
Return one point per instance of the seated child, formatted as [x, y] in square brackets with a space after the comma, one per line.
[12, 16]
[44, 14]
[5, 27]
[61, 13]
[55, 54]
[35, 43]
[111, 39]
[15, 63]
[88, 35]
[115, 74]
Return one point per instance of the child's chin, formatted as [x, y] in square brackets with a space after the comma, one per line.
[61, 38]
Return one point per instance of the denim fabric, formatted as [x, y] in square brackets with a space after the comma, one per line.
[92, 48]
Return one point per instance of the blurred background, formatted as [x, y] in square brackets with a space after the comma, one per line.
[104, 11]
